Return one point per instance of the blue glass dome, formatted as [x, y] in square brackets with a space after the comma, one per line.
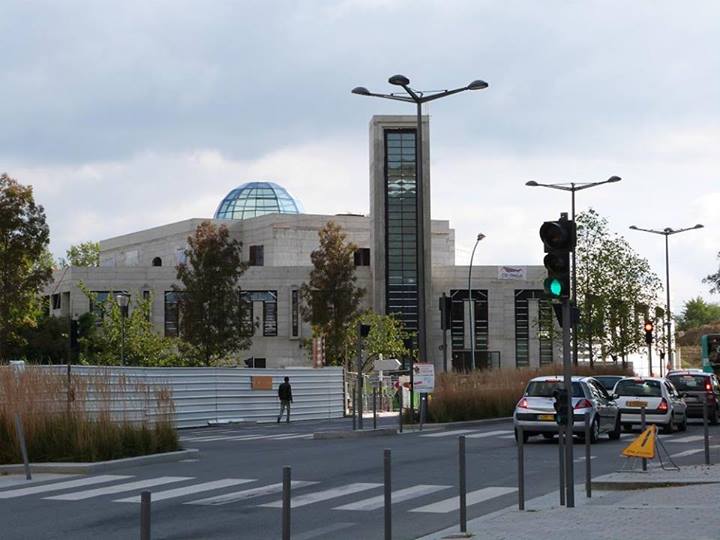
[254, 199]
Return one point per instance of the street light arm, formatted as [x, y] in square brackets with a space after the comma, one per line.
[634, 228]
[675, 231]
[551, 186]
[442, 94]
[580, 187]
[386, 96]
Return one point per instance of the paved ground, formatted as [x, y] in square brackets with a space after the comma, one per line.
[233, 489]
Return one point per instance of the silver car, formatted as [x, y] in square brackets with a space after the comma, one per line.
[535, 412]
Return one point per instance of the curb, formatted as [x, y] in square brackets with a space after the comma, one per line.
[90, 468]
[359, 434]
[647, 484]
[467, 422]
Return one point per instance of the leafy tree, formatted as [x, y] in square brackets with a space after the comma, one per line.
[386, 337]
[697, 312]
[331, 299]
[45, 341]
[24, 237]
[209, 299]
[714, 280]
[84, 254]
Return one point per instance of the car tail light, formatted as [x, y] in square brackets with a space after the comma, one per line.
[523, 404]
[708, 386]
[583, 404]
[663, 405]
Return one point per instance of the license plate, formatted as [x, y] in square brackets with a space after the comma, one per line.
[637, 404]
[546, 417]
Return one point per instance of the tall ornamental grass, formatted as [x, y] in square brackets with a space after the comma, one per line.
[95, 417]
[493, 393]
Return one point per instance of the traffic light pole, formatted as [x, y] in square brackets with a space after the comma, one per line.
[567, 382]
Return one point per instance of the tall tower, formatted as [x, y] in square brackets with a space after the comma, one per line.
[393, 202]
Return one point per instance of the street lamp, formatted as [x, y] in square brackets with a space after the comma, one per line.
[122, 300]
[666, 232]
[572, 187]
[472, 304]
[419, 97]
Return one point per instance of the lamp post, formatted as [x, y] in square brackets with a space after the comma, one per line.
[472, 304]
[122, 300]
[572, 187]
[667, 232]
[419, 97]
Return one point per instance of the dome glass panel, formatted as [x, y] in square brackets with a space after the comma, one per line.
[257, 199]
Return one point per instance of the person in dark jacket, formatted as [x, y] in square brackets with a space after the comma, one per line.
[285, 396]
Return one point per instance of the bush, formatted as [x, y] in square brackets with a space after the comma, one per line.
[492, 393]
[81, 423]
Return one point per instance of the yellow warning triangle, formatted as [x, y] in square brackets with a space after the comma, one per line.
[643, 446]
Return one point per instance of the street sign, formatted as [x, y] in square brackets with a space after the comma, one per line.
[643, 446]
[386, 364]
[424, 377]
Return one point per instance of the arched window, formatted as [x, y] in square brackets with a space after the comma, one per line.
[157, 261]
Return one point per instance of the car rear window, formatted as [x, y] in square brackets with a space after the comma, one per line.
[547, 389]
[632, 387]
[608, 381]
[689, 383]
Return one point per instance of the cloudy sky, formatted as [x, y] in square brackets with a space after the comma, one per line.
[126, 115]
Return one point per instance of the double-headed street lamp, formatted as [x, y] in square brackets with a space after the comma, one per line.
[572, 187]
[666, 232]
[419, 97]
[472, 304]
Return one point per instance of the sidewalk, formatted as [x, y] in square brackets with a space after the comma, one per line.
[686, 510]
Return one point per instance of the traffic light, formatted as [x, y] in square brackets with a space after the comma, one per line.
[559, 240]
[649, 327]
[561, 406]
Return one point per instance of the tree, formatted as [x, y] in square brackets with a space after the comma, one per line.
[209, 299]
[83, 254]
[697, 312]
[331, 298]
[714, 280]
[386, 337]
[24, 238]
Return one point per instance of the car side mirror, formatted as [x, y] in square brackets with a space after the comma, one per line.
[614, 396]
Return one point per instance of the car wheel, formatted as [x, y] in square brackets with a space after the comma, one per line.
[668, 428]
[595, 431]
[525, 436]
[614, 435]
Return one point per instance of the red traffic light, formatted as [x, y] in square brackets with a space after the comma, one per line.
[649, 326]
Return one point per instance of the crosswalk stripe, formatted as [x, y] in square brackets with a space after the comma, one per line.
[318, 496]
[58, 486]
[189, 490]
[474, 497]
[449, 433]
[506, 436]
[691, 452]
[373, 503]
[286, 437]
[119, 488]
[238, 496]
[691, 438]
[489, 434]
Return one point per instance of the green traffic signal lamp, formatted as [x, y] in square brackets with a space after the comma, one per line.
[555, 287]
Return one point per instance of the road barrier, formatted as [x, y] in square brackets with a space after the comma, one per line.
[588, 471]
[521, 468]
[561, 467]
[462, 484]
[145, 515]
[387, 482]
[706, 431]
[23, 448]
[286, 484]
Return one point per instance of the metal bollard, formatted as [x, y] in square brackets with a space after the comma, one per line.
[643, 427]
[388, 496]
[521, 470]
[588, 481]
[401, 409]
[374, 408]
[706, 432]
[145, 515]
[423, 409]
[462, 484]
[561, 459]
[23, 447]
[286, 504]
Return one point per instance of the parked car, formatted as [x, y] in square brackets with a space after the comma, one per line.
[535, 412]
[663, 404]
[608, 381]
[696, 387]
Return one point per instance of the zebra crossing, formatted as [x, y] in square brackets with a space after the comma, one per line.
[351, 497]
[472, 434]
[232, 436]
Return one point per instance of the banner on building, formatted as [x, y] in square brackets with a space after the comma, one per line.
[512, 272]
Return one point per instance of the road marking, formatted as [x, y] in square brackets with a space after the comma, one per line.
[582, 458]
[449, 433]
[474, 497]
[490, 434]
[691, 438]
[286, 437]
[691, 452]
[189, 490]
[506, 436]
[373, 503]
[318, 496]
[58, 486]
[308, 535]
[119, 488]
[238, 496]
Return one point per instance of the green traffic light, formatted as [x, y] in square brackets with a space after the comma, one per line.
[554, 287]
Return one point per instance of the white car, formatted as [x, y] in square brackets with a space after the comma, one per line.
[535, 412]
[663, 404]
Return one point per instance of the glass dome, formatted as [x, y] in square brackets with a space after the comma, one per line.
[254, 199]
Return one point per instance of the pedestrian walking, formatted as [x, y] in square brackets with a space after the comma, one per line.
[285, 396]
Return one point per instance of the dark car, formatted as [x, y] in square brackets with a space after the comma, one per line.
[696, 387]
[608, 381]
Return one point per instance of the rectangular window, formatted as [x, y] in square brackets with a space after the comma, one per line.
[171, 314]
[362, 257]
[180, 257]
[294, 313]
[55, 301]
[247, 328]
[146, 297]
[269, 302]
[97, 306]
[270, 318]
[257, 255]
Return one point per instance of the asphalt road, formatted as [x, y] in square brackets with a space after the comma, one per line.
[232, 490]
